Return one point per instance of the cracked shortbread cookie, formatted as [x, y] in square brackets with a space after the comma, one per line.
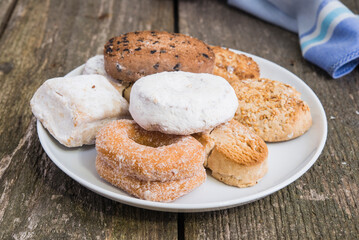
[272, 109]
[236, 155]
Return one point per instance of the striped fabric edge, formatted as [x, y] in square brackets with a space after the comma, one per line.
[327, 9]
[327, 28]
[315, 22]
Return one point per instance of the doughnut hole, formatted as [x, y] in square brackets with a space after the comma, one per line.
[151, 139]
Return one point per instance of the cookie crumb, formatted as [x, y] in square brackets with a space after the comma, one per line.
[230, 69]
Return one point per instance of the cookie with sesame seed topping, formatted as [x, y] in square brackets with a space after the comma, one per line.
[272, 109]
[232, 66]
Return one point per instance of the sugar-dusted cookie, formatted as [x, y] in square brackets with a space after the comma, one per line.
[271, 109]
[73, 109]
[233, 66]
[182, 103]
[95, 65]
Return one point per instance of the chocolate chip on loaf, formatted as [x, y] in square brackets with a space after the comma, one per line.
[133, 55]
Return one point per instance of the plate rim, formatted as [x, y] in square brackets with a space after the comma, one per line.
[198, 207]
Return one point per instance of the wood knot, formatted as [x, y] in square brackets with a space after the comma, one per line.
[6, 67]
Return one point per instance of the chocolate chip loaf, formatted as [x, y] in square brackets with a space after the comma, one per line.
[133, 55]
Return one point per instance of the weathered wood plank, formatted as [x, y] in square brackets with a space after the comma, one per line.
[45, 39]
[6, 8]
[323, 204]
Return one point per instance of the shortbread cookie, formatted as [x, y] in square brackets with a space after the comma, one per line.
[232, 66]
[133, 55]
[272, 109]
[181, 102]
[95, 65]
[236, 155]
[73, 109]
[208, 143]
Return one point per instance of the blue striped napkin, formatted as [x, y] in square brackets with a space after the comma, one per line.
[328, 31]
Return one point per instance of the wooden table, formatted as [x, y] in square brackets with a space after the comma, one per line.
[44, 39]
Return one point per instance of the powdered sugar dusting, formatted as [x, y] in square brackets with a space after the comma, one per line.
[73, 109]
[181, 102]
[96, 65]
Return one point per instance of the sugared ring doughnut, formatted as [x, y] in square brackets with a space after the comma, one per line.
[181, 102]
[149, 190]
[149, 156]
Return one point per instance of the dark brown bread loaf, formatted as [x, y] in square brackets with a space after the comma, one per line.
[133, 55]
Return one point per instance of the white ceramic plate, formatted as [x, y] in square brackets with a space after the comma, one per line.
[287, 160]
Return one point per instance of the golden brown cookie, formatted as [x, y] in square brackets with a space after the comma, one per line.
[233, 66]
[236, 155]
[272, 109]
[133, 55]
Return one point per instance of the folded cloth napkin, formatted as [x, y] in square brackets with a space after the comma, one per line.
[328, 31]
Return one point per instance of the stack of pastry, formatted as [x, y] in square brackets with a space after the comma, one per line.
[193, 106]
[149, 165]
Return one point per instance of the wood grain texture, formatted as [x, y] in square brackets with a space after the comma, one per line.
[323, 203]
[45, 39]
[6, 9]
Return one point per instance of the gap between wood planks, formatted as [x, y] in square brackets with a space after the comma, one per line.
[180, 226]
[7, 17]
[175, 16]
[180, 216]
